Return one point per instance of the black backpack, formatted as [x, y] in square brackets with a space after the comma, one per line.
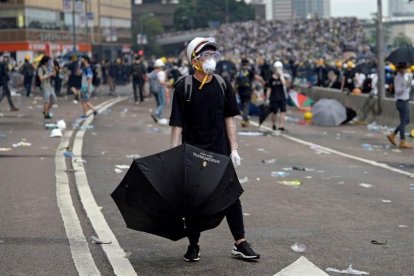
[137, 71]
[243, 80]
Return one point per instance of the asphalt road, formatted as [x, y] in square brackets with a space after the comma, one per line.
[330, 212]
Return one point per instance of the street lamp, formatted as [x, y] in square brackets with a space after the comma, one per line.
[380, 56]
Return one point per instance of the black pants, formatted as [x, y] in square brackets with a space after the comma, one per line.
[404, 110]
[234, 219]
[27, 83]
[245, 99]
[5, 91]
[140, 85]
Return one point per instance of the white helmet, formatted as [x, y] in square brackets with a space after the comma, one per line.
[159, 63]
[197, 44]
[278, 65]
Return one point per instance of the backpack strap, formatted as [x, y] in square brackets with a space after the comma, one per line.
[188, 86]
[222, 83]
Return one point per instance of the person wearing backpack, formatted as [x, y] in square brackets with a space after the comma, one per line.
[138, 78]
[203, 109]
[27, 70]
[157, 83]
[244, 81]
[4, 83]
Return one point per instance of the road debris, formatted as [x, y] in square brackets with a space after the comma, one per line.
[349, 270]
[299, 248]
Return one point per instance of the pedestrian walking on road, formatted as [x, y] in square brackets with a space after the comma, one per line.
[27, 70]
[202, 115]
[4, 83]
[402, 87]
[276, 93]
[138, 75]
[86, 87]
[157, 83]
[75, 77]
[46, 72]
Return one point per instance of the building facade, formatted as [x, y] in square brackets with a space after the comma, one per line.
[32, 27]
[397, 8]
[312, 8]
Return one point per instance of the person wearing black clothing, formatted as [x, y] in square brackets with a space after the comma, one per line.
[348, 78]
[276, 94]
[27, 71]
[75, 77]
[4, 86]
[321, 74]
[206, 120]
[56, 79]
[138, 74]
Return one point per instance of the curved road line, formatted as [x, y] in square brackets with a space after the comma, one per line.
[114, 252]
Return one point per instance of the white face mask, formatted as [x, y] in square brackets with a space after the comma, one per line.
[209, 66]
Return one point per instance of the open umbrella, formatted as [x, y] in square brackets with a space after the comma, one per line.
[402, 55]
[182, 188]
[327, 112]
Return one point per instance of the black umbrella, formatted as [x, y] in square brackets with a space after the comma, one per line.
[264, 111]
[402, 55]
[184, 188]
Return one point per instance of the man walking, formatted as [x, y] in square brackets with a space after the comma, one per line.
[4, 83]
[158, 84]
[138, 78]
[46, 72]
[203, 115]
[28, 72]
[402, 87]
[276, 93]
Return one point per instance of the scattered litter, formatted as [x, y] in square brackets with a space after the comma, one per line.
[163, 122]
[287, 169]
[244, 180]
[42, 158]
[3, 136]
[396, 150]
[246, 214]
[258, 179]
[84, 127]
[379, 243]
[117, 171]
[96, 240]
[1, 241]
[70, 171]
[154, 130]
[318, 149]
[260, 149]
[127, 254]
[270, 161]
[299, 248]
[349, 270]
[320, 171]
[51, 126]
[61, 124]
[279, 174]
[103, 153]
[122, 167]
[293, 183]
[386, 201]
[365, 185]
[94, 133]
[30, 107]
[301, 169]
[22, 144]
[132, 156]
[403, 226]
[250, 133]
[80, 160]
[56, 133]
[341, 182]
[68, 154]
[367, 147]
[125, 110]
[308, 177]
[5, 149]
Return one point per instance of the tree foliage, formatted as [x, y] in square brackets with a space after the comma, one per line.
[402, 40]
[191, 14]
[151, 27]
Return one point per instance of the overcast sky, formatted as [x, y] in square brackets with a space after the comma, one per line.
[358, 8]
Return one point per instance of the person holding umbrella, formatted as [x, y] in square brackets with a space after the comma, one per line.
[402, 87]
[202, 115]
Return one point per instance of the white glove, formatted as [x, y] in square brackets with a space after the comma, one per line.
[235, 158]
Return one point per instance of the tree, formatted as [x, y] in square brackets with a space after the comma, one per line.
[150, 26]
[191, 14]
[402, 40]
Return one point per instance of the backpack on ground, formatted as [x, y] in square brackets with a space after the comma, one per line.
[188, 84]
[154, 83]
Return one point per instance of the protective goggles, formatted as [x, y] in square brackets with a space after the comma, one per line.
[209, 55]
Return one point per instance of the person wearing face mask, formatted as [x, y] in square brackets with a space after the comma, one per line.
[204, 117]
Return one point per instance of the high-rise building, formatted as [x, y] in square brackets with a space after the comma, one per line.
[32, 27]
[311, 8]
[400, 8]
[276, 9]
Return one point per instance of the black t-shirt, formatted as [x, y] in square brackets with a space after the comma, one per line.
[349, 79]
[277, 90]
[202, 119]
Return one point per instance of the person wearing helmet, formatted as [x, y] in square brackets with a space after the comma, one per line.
[244, 81]
[348, 79]
[157, 83]
[27, 70]
[276, 94]
[204, 117]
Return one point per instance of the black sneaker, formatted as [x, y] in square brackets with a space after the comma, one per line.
[274, 127]
[282, 129]
[154, 118]
[47, 116]
[244, 251]
[192, 254]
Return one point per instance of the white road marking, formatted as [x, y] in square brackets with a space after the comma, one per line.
[114, 252]
[79, 248]
[326, 149]
[301, 266]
